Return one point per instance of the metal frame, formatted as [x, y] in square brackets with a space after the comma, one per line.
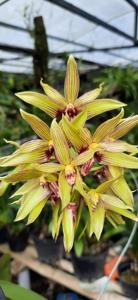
[15, 27]
[89, 17]
[4, 2]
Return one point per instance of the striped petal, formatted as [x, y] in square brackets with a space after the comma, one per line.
[114, 218]
[100, 106]
[35, 212]
[73, 134]
[120, 186]
[26, 187]
[97, 219]
[88, 97]
[106, 128]
[49, 106]
[50, 167]
[119, 160]
[103, 187]
[30, 201]
[80, 120]
[22, 175]
[125, 126]
[60, 144]
[83, 157]
[68, 228]
[24, 158]
[112, 201]
[118, 146]
[64, 190]
[123, 212]
[51, 92]
[32, 146]
[38, 126]
[71, 87]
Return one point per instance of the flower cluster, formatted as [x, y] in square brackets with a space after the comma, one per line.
[53, 167]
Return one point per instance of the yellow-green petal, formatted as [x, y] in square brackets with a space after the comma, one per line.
[26, 187]
[119, 159]
[97, 219]
[51, 92]
[22, 175]
[30, 201]
[118, 146]
[88, 97]
[80, 120]
[50, 167]
[68, 229]
[120, 186]
[56, 219]
[39, 126]
[83, 157]
[112, 201]
[64, 190]
[49, 106]
[73, 134]
[60, 144]
[123, 212]
[100, 106]
[71, 87]
[23, 158]
[103, 187]
[125, 126]
[36, 211]
[3, 187]
[106, 128]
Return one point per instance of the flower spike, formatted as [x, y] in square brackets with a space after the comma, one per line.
[52, 167]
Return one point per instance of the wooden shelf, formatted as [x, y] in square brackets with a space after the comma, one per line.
[62, 273]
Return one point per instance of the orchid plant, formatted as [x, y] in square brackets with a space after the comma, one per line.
[53, 167]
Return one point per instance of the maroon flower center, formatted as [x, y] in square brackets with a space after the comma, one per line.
[98, 156]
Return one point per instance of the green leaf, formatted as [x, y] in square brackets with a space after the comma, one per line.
[15, 292]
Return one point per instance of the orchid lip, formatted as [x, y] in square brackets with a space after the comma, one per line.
[70, 174]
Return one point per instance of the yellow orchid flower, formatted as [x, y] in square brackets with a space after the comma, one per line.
[67, 166]
[106, 149]
[120, 186]
[55, 105]
[101, 204]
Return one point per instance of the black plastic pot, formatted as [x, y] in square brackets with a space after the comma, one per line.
[4, 235]
[130, 289]
[18, 243]
[89, 267]
[48, 250]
